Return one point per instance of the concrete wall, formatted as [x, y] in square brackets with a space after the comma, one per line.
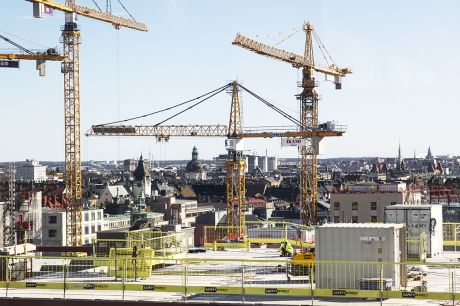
[364, 213]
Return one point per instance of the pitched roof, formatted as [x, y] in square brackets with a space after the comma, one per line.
[118, 190]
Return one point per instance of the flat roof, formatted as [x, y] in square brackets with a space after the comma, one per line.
[361, 225]
[409, 206]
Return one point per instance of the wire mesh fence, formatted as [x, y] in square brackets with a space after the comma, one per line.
[125, 271]
[451, 236]
[162, 243]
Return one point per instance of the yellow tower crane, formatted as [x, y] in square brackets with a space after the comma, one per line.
[235, 168]
[308, 109]
[71, 70]
[235, 134]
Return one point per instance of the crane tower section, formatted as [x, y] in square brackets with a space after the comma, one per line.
[71, 71]
[9, 209]
[235, 170]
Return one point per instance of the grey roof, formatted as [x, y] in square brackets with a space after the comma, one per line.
[119, 190]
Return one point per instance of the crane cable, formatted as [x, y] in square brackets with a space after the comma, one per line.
[289, 36]
[24, 39]
[278, 110]
[94, 1]
[16, 45]
[126, 10]
[322, 47]
[168, 108]
[192, 106]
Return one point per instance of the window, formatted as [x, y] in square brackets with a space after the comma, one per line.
[373, 218]
[99, 215]
[93, 229]
[354, 219]
[99, 228]
[93, 216]
[52, 219]
[373, 205]
[354, 205]
[86, 230]
[52, 233]
[393, 203]
[336, 219]
[336, 205]
[86, 217]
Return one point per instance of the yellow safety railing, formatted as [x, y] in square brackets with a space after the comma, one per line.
[259, 233]
[163, 243]
[451, 235]
[124, 273]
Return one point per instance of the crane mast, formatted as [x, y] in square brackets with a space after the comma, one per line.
[9, 209]
[308, 186]
[235, 168]
[71, 70]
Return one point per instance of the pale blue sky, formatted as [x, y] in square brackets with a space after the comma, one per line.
[405, 85]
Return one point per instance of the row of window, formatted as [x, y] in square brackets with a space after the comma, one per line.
[93, 229]
[119, 224]
[53, 219]
[354, 219]
[52, 233]
[354, 205]
[93, 216]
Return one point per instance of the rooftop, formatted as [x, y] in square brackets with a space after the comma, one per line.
[361, 225]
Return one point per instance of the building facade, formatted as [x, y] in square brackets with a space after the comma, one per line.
[54, 226]
[31, 171]
[363, 203]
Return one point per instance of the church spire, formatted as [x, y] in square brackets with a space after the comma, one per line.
[429, 156]
[399, 161]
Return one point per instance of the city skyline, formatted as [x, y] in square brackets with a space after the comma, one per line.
[396, 93]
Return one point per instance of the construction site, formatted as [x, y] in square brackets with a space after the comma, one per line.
[70, 247]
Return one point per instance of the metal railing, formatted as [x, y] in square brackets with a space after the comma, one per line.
[259, 233]
[126, 274]
[162, 243]
[451, 235]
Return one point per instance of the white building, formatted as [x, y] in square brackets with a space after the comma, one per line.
[31, 171]
[54, 226]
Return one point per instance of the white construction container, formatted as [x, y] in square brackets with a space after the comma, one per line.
[419, 219]
[359, 242]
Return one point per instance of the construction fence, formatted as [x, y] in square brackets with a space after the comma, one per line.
[125, 273]
[162, 244]
[259, 233]
[301, 235]
[451, 236]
